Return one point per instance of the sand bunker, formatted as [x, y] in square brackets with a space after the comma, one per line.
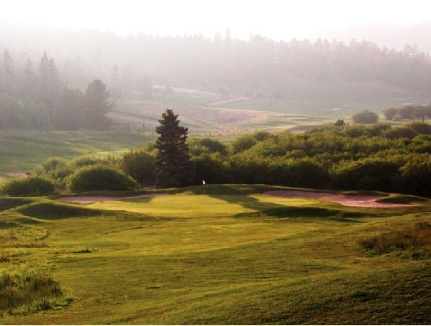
[345, 200]
[17, 174]
[94, 199]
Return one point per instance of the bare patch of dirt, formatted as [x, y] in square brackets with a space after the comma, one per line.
[16, 174]
[345, 200]
[227, 101]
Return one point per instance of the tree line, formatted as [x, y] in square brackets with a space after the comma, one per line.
[257, 67]
[37, 98]
[337, 156]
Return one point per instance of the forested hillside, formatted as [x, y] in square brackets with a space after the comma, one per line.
[38, 98]
[256, 68]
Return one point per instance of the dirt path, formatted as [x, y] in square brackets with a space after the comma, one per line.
[16, 174]
[227, 101]
[345, 200]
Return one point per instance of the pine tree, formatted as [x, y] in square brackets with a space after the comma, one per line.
[173, 166]
[97, 102]
[7, 76]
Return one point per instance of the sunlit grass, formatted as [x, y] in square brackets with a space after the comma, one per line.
[23, 150]
[232, 257]
[186, 206]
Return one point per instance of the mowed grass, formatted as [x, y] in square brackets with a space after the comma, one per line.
[186, 206]
[22, 150]
[226, 258]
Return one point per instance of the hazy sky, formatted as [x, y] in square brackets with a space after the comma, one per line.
[274, 19]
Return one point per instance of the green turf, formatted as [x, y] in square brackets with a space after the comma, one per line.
[234, 256]
[22, 150]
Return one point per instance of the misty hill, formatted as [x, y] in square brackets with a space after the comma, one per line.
[387, 35]
[257, 68]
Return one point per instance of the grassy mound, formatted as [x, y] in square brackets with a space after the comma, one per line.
[51, 210]
[403, 199]
[9, 203]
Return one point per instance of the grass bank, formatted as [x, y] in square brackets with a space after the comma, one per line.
[234, 256]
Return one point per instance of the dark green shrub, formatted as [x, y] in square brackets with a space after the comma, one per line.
[390, 113]
[416, 176]
[261, 135]
[369, 183]
[243, 143]
[100, 177]
[355, 131]
[366, 174]
[421, 128]
[211, 168]
[286, 172]
[213, 146]
[400, 132]
[140, 165]
[54, 168]
[198, 146]
[365, 117]
[92, 160]
[377, 129]
[31, 186]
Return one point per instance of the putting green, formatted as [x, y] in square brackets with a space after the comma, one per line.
[183, 205]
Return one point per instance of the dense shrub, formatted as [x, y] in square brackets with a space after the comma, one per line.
[400, 132]
[31, 186]
[140, 165]
[212, 168]
[100, 177]
[407, 111]
[366, 174]
[54, 168]
[390, 113]
[198, 146]
[355, 131]
[261, 135]
[421, 128]
[416, 175]
[243, 143]
[365, 117]
[87, 160]
[304, 172]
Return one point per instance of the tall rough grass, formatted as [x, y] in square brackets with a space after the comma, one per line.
[28, 291]
[415, 240]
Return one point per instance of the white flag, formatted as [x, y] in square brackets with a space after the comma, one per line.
[203, 182]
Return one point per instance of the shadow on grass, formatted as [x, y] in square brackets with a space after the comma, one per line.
[53, 211]
[240, 195]
[9, 203]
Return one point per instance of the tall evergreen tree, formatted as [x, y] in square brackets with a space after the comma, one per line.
[28, 84]
[173, 166]
[7, 76]
[97, 102]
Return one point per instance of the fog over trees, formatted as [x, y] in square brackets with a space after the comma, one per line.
[49, 70]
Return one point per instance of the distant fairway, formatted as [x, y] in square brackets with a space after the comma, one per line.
[235, 256]
[23, 150]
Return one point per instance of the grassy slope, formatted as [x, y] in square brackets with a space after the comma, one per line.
[231, 257]
[22, 150]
